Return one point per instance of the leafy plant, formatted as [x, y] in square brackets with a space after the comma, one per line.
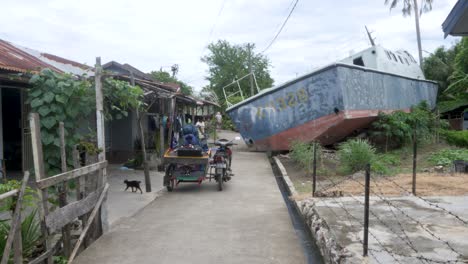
[30, 234]
[386, 164]
[399, 127]
[60, 260]
[303, 153]
[446, 157]
[457, 138]
[64, 98]
[354, 154]
[9, 204]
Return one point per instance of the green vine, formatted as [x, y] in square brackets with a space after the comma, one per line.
[64, 98]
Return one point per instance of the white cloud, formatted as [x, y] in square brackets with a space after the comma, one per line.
[149, 34]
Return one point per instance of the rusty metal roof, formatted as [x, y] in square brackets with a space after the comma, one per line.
[21, 59]
[14, 59]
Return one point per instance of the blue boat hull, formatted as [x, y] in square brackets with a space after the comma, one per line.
[325, 105]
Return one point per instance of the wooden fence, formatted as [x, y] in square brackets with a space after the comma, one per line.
[14, 236]
[91, 189]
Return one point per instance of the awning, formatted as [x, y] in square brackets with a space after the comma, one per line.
[456, 23]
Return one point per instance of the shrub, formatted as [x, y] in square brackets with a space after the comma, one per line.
[384, 164]
[30, 234]
[446, 157]
[354, 154]
[457, 138]
[303, 153]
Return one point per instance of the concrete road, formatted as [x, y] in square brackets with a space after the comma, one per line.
[247, 222]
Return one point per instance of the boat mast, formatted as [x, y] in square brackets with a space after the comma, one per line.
[370, 37]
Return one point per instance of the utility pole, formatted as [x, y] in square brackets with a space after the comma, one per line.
[249, 48]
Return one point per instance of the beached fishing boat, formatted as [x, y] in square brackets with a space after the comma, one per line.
[332, 102]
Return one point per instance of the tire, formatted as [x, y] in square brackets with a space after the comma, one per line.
[221, 180]
[169, 172]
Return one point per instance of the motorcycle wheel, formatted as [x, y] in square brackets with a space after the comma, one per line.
[221, 180]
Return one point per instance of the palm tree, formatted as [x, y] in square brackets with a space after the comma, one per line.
[408, 7]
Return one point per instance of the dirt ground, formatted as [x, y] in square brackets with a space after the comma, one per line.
[427, 184]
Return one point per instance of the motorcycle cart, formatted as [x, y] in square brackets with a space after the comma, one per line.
[185, 168]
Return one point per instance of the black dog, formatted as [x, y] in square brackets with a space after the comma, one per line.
[133, 184]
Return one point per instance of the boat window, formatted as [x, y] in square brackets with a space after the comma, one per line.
[358, 61]
[400, 59]
[393, 56]
[388, 55]
[406, 60]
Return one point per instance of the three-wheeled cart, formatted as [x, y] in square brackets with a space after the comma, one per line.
[185, 168]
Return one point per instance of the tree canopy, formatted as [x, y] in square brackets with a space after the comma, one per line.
[228, 62]
[165, 77]
[449, 67]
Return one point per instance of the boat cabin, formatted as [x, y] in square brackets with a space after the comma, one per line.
[376, 57]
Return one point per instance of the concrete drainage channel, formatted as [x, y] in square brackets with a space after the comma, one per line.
[303, 233]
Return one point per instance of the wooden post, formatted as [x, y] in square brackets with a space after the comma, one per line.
[314, 175]
[171, 119]
[161, 127]
[40, 174]
[415, 150]
[101, 140]
[15, 228]
[366, 212]
[63, 191]
[143, 143]
[193, 115]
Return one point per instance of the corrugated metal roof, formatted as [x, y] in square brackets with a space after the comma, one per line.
[456, 23]
[14, 59]
[21, 59]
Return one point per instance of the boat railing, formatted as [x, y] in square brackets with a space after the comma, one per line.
[229, 94]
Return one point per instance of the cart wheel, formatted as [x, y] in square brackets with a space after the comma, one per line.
[221, 180]
[170, 187]
[169, 172]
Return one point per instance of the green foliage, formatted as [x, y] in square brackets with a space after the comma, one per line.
[30, 235]
[9, 204]
[227, 124]
[303, 153]
[354, 154]
[446, 157]
[166, 77]
[439, 66]
[60, 260]
[227, 62]
[64, 98]
[399, 126]
[386, 164]
[120, 97]
[457, 138]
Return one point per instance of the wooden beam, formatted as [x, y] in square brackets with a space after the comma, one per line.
[8, 194]
[40, 174]
[90, 220]
[66, 176]
[64, 215]
[15, 221]
[47, 254]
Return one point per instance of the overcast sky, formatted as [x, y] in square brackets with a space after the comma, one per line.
[150, 34]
